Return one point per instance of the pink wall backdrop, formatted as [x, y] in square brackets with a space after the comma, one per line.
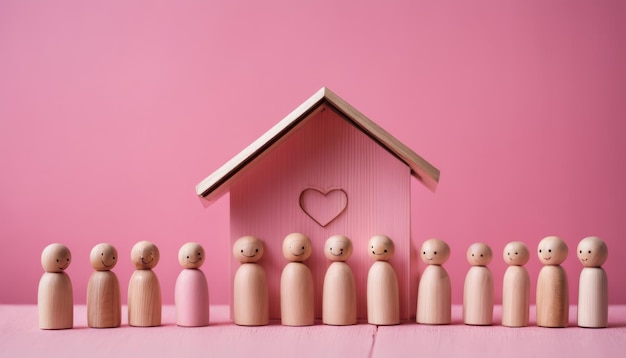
[111, 112]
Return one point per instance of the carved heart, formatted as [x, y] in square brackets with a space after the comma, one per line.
[323, 207]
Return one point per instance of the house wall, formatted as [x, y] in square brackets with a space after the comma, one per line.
[326, 153]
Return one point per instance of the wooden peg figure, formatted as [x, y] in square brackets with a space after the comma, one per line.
[144, 290]
[434, 300]
[478, 289]
[552, 294]
[104, 304]
[191, 292]
[54, 296]
[296, 283]
[339, 292]
[593, 292]
[516, 285]
[383, 300]
[251, 300]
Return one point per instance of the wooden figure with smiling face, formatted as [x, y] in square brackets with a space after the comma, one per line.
[478, 288]
[191, 293]
[593, 305]
[383, 301]
[104, 305]
[434, 301]
[296, 283]
[339, 292]
[250, 292]
[144, 290]
[54, 296]
[516, 285]
[552, 288]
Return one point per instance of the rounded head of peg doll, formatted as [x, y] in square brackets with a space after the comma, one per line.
[55, 258]
[103, 257]
[191, 255]
[552, 251]
[592, 251]
[144, 255]
[338, 248]
[380, 248]
[297, 247]
[516, 253]
[248, 249]
[435, 252]
[479, 254]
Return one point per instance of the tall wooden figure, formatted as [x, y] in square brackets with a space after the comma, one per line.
[552, 294]
[339, 292]
[593, 292]
[434, 297]
[144, 290]
[104, 304]
[191, 293]
[296, 283]
[478, 289]
[516, 285]
[250, 295]
[383, 300]
[54, 296]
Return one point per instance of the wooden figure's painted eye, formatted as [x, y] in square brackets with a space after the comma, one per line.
[435, 252]
[549, 250]
[187, 256]
[385, 250]
[472, 255]
[113, 257]
[516, 253]
[57, 260]
[242, 251]
[539, 250]
[508, 253]
[481, 255]
[302, 247]
[102, 254]
[424, 253]
[257, 250]
[589, 251]
[581, 251]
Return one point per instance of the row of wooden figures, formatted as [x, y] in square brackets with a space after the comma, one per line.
[251, 304]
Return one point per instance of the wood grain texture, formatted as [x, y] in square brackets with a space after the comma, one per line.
[55, 301]
[250, 302]
[327, 153]
[144, 299]
[434, 300]
[191, 297]
[478, 296]
[104, 303]
[593, 298]
[383, 301]
[339, 296]
[297, 307]
[515, 297]
[552, 297]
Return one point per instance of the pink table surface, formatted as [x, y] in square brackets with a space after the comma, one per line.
[20, 336]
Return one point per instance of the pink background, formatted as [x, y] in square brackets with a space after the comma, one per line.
[111, 112]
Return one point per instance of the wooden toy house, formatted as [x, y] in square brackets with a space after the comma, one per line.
[324, 169]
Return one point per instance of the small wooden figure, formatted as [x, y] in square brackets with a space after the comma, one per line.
[478, 289]
[516, 285]
[434, 300]
[593, 292]
[144, 290]
[104, 304]
[54, 297]
[552, 294]
[251, 301]
[191, 293]
[339, 292]
[296, 283]
[383, 300]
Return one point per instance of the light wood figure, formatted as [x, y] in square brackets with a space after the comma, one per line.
[144, 290]
[434, 296]
[296, 283]
[478, 289]
[251, 301]
[104, 304]
[191, 293]
[516, 285]
[383, 300]
[552, 287]
[54, 296]
[593, 291]
[339, 292]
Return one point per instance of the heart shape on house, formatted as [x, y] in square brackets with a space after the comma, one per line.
[323, 206]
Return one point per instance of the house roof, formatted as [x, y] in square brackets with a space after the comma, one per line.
[218, 183]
